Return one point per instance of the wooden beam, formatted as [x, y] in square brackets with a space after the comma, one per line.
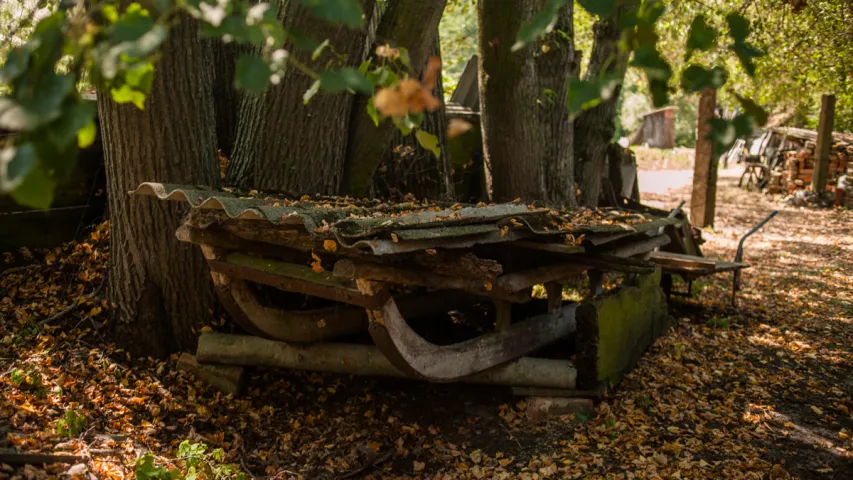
[354, 359]
[824, 143]
[418, 358]
[407, 276]
[292, 278]
[703, 199]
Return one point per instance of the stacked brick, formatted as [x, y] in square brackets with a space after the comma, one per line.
[799, 166]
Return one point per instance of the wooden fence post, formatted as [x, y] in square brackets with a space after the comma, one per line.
[824, 143]
[703, 199]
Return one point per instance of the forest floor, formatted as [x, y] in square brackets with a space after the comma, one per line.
[763, 391]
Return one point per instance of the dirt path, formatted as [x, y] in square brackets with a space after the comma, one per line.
[761, 391]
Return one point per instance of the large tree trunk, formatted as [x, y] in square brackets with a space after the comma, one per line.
[161, 287]
[226, 97]
[412, 24]
[408, 168]
[556, 61]
[286, 146]
[508, 110]
[595, 127]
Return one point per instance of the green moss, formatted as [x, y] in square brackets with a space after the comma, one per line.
[620, 327]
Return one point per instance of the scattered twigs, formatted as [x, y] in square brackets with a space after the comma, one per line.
[18, 458]
[22, 268]
[372, 460]
[70, 309]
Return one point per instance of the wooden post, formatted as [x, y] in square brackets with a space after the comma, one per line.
[824, 143]
[703, 200]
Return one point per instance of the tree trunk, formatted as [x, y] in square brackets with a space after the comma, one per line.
[412, 24]
[286, 146]
[556, 61]
[226, 97]
[704, 194]
[508, 95]
[595, 127]
[161, 287]
[408, 168]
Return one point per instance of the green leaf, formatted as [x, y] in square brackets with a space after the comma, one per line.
[15, 164]
[141, 76]
[36, 190]
[429, 142]
[542, 23]
[127, 94]
[585, 94]
[319, 50]
[745, 53]
[738, 27]
[86, 135]
[309, 94]
[146, 44]
[347, 12]
[253, 74]
[15, 65]
[337, 81]
[647, 58]
[135, 23]
[302, 41]
[74, 117]
[371, 110]
[602, 8]
[660, 92]
[405, 58]
[758, 114]
[701, 36]
[32, 112]
[695, 78]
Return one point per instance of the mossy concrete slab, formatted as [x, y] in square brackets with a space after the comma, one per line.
[615, 329]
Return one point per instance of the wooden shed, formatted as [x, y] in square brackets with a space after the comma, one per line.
[657, 130]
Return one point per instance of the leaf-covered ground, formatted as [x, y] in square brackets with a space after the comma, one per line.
[761, 391]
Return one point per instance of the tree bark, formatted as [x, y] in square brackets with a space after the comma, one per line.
[286, 146]
[412, 24]
[226, 97]
[556, 61]
[408, 168]
[161, 287]
[508, 95]
[704, 195]
[595, 127]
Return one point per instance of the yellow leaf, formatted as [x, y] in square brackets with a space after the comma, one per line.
[817, 410]
[206, 329]
[394, 238]
[375, 446]
[418, 466]
[330, 245]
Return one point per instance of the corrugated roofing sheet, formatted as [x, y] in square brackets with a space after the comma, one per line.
[386, 227]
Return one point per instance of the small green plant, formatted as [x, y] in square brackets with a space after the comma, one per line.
[680, 348]
[198, 463]
[28, 379]
[72, 424]
[718, 323]
[147, 470]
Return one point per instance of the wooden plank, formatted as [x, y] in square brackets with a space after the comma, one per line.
[291, 278]
[416, 357]
[354, 359]
[703, 199]
[679, 263]
[407, 276]
[301, 326]
[823, 143]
